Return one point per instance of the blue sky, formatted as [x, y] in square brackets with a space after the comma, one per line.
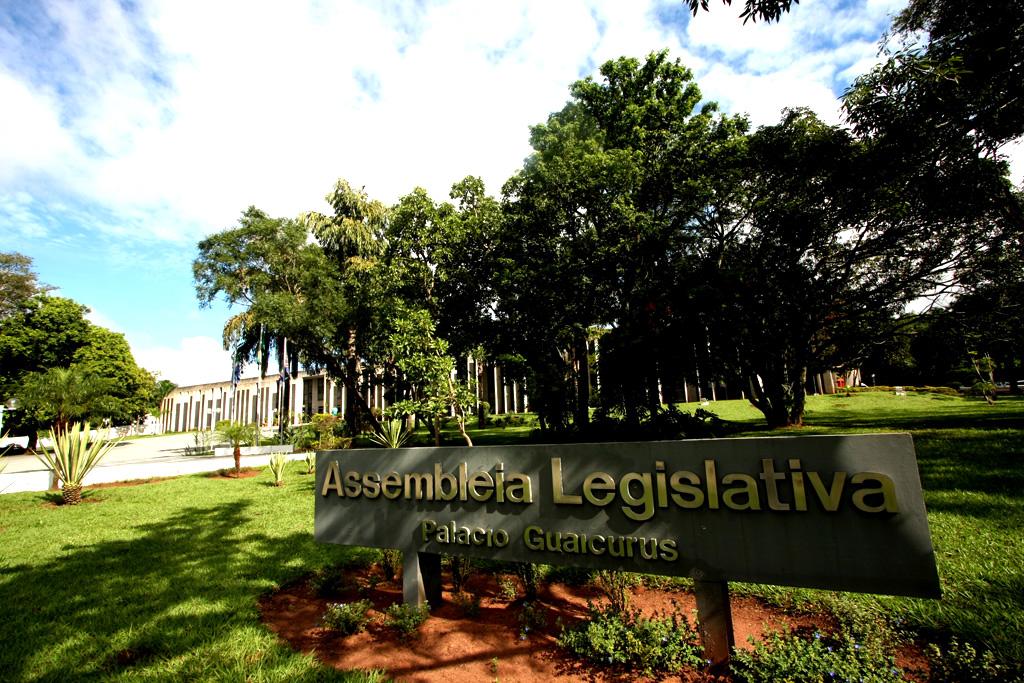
[130, 130]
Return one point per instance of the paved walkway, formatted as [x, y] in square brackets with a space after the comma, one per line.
[141, 458]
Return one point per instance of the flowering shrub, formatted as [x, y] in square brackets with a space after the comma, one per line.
[628, 639]
[786, 656]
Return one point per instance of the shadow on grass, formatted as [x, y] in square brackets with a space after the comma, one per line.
[982, 461]
[185, 584]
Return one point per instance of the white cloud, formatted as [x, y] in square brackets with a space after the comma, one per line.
[192, 360]
[32, 138]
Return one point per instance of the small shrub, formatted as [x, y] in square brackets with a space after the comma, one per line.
[347, 617]
[616, 586]
[461, 568]
[390, 561]
[789, 656]
[469, 603]
[529, 574]
[392, 434]
[202, 444]
[331, 583]
[629, 639]
[570, 576]
[531, 618]
[961, 663]
[277, 463]
[507, 588]
[406, 619]
[310, 462]
[303, 437]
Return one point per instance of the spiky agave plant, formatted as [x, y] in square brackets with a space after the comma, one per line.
[73, 457]
[392, 434]
[277, 463]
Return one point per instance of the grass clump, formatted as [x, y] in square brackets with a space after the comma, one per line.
[406, 619]
[347, 617]
[630, 640]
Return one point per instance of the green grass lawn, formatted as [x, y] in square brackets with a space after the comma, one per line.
[162, 581]
[158, 581]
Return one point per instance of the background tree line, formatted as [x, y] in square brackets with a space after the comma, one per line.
[60, 366]
[673, 238]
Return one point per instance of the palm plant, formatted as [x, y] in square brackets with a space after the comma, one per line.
[392, 434]
[310, 462]
[236, 435]
[61, 395]
[73, 457]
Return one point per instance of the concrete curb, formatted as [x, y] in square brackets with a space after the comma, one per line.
[39, 479]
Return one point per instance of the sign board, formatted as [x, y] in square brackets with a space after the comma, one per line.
[834, 512]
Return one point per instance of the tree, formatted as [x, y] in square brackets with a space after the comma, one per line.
[18, 283]
[835, 239]
[107, 354]
[945, 102]
[60, 396]
[428, 365]
[953, 77]
[348, 328]
[236, 435]
[596, 225]
[765, 10]
[46, 334]
[271, 269]
[161, 390]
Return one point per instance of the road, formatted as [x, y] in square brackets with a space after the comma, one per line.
[141, 458]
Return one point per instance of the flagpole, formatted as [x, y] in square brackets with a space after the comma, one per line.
[259, 362]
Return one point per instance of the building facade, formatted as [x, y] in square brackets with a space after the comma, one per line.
[258, 400]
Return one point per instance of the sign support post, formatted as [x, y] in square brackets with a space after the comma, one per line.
[714, 618]
[421, 578]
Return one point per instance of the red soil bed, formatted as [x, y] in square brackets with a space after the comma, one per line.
[451, 646]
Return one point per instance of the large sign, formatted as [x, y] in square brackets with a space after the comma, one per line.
[834, 512]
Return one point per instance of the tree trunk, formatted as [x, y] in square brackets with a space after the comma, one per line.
[460, 414]
[781, 398]
[238, 459]
[355, 402]
[484, 383]
[71, 494]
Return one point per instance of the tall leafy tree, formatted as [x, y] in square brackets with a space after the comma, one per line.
[106, 354]
[834, 240]
[952, 80]
[44, 335]
[18, 283]
[258, 266]
[346, 330]
[597, 223]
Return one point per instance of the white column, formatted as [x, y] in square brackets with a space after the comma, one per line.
[300, 399]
